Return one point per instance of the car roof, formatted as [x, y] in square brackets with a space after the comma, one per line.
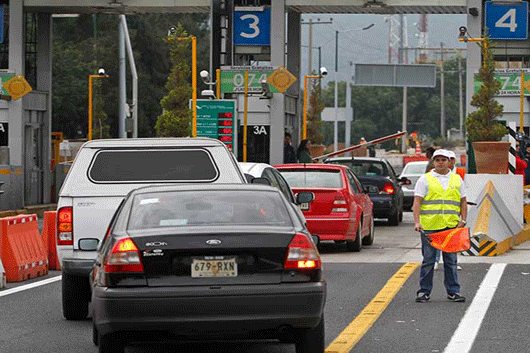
[254, 169]
[154, 142]
[417, 162]
[311, 166]
[204, 187]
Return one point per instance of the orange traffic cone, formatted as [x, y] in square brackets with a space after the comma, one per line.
[418, 149]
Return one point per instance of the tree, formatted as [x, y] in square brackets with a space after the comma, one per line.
[176, 116]
[482, 124]
[314, 124]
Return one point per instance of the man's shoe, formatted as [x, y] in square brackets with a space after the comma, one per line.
[458, 267]
[436, 266]
[422, 297]
[456, 298]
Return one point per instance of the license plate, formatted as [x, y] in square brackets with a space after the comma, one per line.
[214, 266]
[304, 206]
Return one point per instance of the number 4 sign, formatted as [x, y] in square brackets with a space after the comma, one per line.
[507, 21]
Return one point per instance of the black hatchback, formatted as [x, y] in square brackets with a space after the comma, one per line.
[219, 261]
[378, 172]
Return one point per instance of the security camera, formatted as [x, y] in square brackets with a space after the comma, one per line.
[463, 31]
[208, 93]
[266, 91]
[205, 75]
[101, 71]
[172, 30]
[323, 71]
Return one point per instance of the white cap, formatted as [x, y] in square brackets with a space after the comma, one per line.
[452, 154]
[442, 152]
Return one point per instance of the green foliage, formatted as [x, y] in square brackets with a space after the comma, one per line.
[314, 123]
[481, 124]
[176, 117]
[100, 128]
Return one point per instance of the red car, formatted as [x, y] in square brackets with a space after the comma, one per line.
[340, 211]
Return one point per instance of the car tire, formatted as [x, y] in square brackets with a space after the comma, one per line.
[369, 240]
[393, 220]
[111, 343]
[311, 340]
[356, 244]
[95, 335]
[75, 296]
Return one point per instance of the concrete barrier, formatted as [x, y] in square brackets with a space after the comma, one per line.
[492, 222]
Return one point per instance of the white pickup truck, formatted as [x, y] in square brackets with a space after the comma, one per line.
[102, 174]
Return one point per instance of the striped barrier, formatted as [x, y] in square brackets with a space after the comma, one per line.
[492, 226]
[512, 139]
[23, 252]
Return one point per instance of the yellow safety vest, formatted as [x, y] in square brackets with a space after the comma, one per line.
[441, 208]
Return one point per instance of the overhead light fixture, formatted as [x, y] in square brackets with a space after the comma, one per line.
[374, 4]
[115, 3]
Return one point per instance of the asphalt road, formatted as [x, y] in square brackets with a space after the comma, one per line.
[31, 320]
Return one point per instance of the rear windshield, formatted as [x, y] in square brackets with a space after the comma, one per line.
[140, 166]
[206, 208]
[304, 178]
[362, 168]
[417, 168]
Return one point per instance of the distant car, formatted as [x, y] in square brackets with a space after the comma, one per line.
[208, 261]
[340, 211]
[412, 171]
[388, 199]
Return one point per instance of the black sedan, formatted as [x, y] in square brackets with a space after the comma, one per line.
[217, 261]
[388, 198]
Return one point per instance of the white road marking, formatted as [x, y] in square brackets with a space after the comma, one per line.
[468, 328]
[29, 286]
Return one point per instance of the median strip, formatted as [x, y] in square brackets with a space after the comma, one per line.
[362, 323]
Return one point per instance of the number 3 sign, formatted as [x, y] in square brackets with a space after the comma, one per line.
[507, 21]
[252, 27]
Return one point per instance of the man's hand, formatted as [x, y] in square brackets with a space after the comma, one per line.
[417, 227]
[460, 224]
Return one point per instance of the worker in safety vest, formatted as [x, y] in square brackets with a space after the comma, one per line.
[462, 173]
[439, 204]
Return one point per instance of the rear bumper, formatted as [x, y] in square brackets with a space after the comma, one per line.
[192, 311]
[330, 228]
[384, 205]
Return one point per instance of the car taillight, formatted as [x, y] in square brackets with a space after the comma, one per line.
[388, 188]
[65, 232]
[124, 257]
[339, 205]
[302, 254]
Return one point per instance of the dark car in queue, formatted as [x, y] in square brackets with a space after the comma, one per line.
[388, 198]
[199, 261]
[340, 211]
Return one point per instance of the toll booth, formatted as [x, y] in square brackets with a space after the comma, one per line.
[258, 129]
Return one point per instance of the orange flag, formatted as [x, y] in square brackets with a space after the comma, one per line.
[452, 240]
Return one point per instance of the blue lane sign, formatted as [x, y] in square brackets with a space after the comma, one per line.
[507, 21]
[252, 27]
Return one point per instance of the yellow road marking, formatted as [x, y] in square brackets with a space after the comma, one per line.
[362, 323]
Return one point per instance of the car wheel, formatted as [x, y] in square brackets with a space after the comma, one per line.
[356, 244]
[393, 220]
[111, 343]
[311, 340]
[75, 296]
[369, 240]
[94, 334]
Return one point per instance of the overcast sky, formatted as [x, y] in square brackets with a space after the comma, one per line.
[371, 45]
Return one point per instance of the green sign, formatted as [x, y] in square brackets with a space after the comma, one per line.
[217, 119]
[4, 77]
[510, 82]
[233, 78]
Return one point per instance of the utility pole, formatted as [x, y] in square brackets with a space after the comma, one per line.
[460, 99]
[442, 93]
[310, 46]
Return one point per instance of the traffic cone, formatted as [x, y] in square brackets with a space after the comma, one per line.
[418, 149]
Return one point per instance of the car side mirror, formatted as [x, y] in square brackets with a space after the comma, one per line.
[263, 181]
[88, 244]
[316, 239]
[371, 189]
[304, 197]
[404, 181]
